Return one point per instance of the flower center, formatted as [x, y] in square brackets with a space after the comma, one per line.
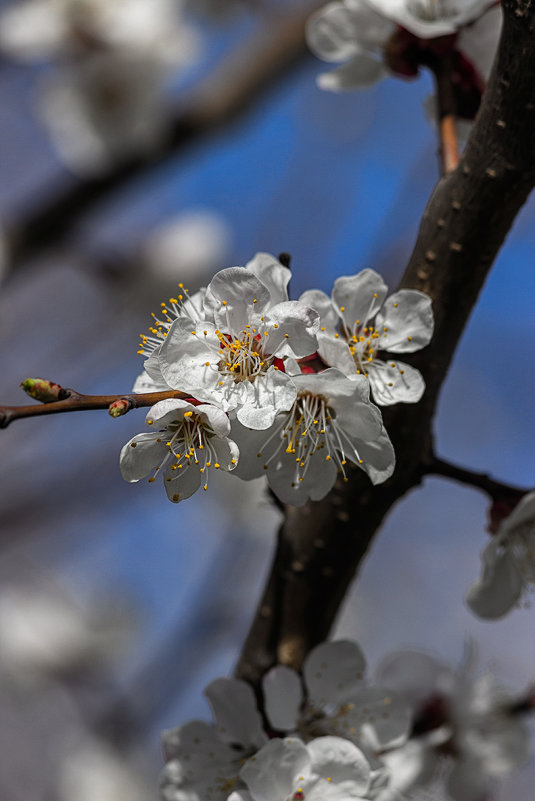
[242, 357]
[189, 445]
[363, 346]
[309, 427]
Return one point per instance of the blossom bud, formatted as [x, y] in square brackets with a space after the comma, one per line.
[119, 407]
[42, 390]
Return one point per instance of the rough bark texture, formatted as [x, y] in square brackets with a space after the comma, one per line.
[321, 545]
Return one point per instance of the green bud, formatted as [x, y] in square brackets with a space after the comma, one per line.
[42, 390]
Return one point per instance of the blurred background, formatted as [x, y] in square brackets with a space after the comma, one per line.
[116, 606]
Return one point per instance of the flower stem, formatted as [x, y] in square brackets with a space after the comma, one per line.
[441, 66]
[495, 489]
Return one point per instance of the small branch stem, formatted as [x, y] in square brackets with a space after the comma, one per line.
[441, 67]
[495, 489]
[76, 402]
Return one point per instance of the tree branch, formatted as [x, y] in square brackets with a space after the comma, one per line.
[321, 545]
[73, 401]
[495, 489]
[232, 88]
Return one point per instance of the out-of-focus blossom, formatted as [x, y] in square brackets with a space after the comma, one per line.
[187, 441]
[93, 770]
[376, 38]
[508, 564]
[338, 700]
[326, 769]
[359, 321]
[44, 631]
[462, 721]
[203, 761]
[188, 246]
[330, 423]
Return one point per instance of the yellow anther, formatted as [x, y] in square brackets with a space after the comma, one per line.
[410, 339]
[328, 458]
[150, 422]
[224, 302]
[233, 461]
[151, 479]
[395, 305]
[188, 414]
[194, 333]
[342, 308]
[255, 301]
[181, 286]
[390, 384]
[375, 294]
[133, 444]
[217, 465]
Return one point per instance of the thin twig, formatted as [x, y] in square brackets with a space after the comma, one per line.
[76, 402]
[441, 66]
[495, 489]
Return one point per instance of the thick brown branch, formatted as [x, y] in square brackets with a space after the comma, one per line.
[466, 221]
[75, 402]
[233, 87]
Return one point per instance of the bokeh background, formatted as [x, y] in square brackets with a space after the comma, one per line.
[118, 607]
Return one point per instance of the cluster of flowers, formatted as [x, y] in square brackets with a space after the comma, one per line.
[105, 99]
[277, 387]
[336, 736]
[376, 38]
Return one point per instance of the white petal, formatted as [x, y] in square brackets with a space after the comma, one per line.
[524, 512]
[273, 275]
[414, 676]
[282, 697]
[271, 774]
[146, 383]
[361, 72]
[414, 763]
[215, 418]
[33, 29]
[251, 442]
[336, 353]
[333, 672]
[317, 482]
[195, 736]
[500, 585]
[408, 317]
[292, 329]
[467, 782]
[395, 382]
[182, 483]
[189, 356]
[342, 762]
[318, 300]
[479, 41]
[235, 712]
[337, 32]
[381, 719]
[235, 296]
[227, 452]
[359, 297]
[141, 455]
[269, 394]
[167, 411]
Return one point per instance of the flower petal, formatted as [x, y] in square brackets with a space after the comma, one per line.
[336, 353]
[146, 383]
[282, 696]
[359, 297]
[189, 356]
[342, 763]
[407, 316]
[269, 394]
[322, 303]
[333, 672]
[235, 712]
[235, 296]
[272, 274]
[395, 382]
[141, 455]
[182, 483]
[272, 773]
[500, 585]
[361, 72]
[292, 329]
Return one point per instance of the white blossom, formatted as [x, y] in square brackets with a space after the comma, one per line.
[508, 564]
[203, 761]
[187, 441]
[232, 353]
[338, 700]
[461, 720]
[359, 321]
[358, 32]
[330, 423]
[326, 769]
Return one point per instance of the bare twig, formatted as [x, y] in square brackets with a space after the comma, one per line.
[495, 489]
[442, 68]
[76, 402]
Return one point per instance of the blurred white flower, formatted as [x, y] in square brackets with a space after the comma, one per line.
[359, 321]
[508, 564]
[188, 246]
[43, 631]
[203, 761]
[378, 37]
[459, 718]
[189, 439]
[338, 700]
[326, 769]
[92, 771]
[331, 422]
